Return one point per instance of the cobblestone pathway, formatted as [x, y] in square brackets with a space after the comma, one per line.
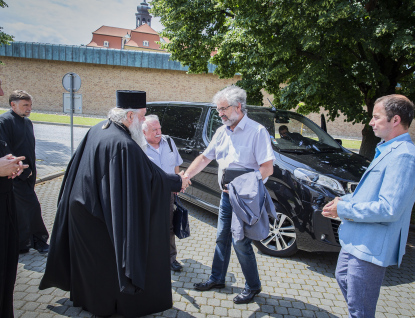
[300, 286]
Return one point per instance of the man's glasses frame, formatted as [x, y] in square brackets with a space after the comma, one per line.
[223, 109]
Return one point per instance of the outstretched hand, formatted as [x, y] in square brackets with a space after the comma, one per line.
[185, 181]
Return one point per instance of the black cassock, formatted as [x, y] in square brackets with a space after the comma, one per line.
[9, 242]
[17, 132]
[110, 241]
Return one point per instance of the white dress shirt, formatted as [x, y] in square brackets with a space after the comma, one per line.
[247, 146]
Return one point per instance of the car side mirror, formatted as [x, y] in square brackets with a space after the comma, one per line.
[339, 141]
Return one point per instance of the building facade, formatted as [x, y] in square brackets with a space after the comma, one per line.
[142, 38]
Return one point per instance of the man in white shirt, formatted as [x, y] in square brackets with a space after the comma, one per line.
[163, 152]
[239, 143]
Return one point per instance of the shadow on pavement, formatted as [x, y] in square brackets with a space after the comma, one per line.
[33, 261]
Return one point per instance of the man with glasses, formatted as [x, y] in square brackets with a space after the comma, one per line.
[239, 143]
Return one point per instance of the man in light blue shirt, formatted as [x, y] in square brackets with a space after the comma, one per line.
[376, 217]
[163, 152]
[239, 143]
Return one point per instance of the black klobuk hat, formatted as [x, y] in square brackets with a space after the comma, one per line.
[131, 99]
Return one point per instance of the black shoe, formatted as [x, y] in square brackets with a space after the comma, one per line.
[246, 296]
[175, 266]
[207, 285]
[41, 246]
[24, 251]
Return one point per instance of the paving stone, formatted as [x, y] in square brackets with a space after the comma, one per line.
[220, 311]
[300, 286]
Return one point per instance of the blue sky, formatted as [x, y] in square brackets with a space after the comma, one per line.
[67, 22]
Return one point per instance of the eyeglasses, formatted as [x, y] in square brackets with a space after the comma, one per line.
[223, 109]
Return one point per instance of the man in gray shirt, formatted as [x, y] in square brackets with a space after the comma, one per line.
[162, 151]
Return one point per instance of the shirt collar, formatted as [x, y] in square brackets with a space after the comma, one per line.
[385, 144]
[241, 124]
[162, 140]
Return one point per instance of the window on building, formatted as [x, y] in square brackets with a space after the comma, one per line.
[106, 44]
[145, 43]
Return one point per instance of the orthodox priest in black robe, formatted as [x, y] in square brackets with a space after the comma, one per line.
[110, 240]
[9, 238]
[16, 130]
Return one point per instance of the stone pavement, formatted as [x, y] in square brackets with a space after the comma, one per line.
[300, 286]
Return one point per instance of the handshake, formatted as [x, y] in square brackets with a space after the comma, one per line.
[185, 181]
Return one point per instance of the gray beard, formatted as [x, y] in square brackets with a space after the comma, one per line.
[231, 120]
[137, 134]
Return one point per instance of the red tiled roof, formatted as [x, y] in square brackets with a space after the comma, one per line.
[145, 28]
[112, 31]
[92, 43]
[131, 43]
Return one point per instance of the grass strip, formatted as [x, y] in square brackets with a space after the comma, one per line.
[62, 119]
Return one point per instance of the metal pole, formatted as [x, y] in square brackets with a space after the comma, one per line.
[72, 110]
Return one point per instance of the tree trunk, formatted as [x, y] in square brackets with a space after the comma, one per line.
[369, 142]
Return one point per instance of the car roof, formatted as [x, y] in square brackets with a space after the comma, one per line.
[211, 105]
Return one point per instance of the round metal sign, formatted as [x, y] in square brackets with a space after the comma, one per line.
[66, 81]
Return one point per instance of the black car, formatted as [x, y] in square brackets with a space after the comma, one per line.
[310, 169]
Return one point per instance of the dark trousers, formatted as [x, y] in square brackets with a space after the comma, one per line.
[173, 250]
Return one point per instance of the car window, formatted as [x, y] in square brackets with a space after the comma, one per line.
[297, 133]
[181, 122]
[292, 132]
[213, 124]
[156, 110]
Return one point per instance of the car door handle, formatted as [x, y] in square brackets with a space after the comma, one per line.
[187, 150]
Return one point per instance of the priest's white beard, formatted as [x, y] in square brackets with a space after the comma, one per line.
[136, 130]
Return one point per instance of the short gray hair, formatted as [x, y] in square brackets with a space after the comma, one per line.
[233, 95]
[119, 115]
[150, 118]
[19, 95]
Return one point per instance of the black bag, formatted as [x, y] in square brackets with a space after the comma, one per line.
[180, 219]
[231, 173]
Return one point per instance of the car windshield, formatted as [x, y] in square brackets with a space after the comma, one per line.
[291, 132]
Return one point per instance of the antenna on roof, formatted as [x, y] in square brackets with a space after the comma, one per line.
[273, 107]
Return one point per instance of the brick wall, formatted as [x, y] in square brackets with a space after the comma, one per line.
[43, 80]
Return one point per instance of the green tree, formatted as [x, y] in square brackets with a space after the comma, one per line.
[4, 38]
[337, 54]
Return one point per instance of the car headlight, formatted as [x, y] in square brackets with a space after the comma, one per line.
[313, 178]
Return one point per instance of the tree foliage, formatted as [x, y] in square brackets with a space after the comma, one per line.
[337, 54]
[4, 38]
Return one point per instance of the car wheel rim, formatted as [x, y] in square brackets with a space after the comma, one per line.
[281, 233]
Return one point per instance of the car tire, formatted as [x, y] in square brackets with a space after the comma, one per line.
[282, 238]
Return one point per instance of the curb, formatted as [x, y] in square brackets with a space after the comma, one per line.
[59, 124]
[50, 176]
